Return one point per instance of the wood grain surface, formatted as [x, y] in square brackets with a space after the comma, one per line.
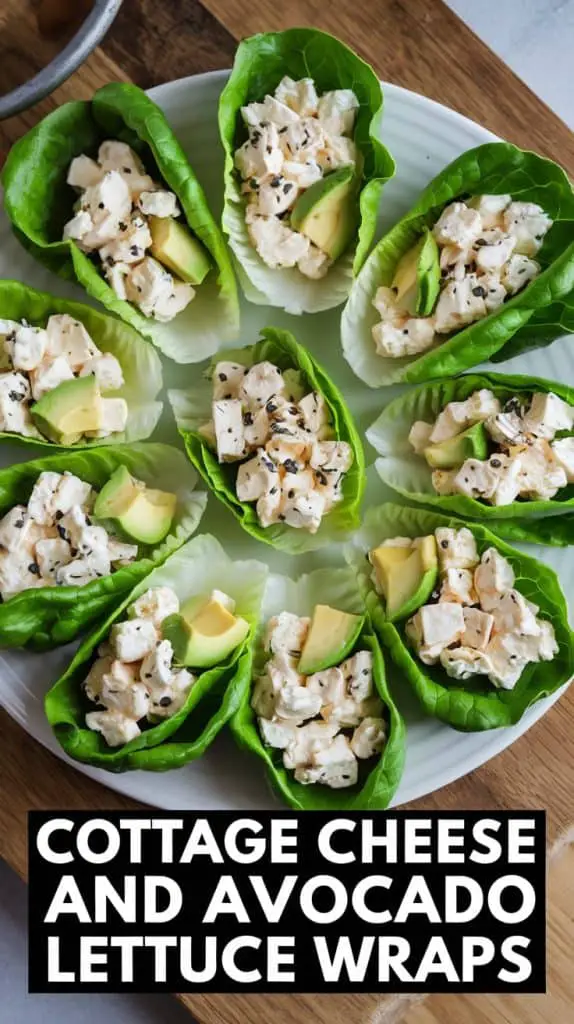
[422, 45]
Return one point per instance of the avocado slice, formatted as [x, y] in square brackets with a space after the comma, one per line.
[68, 411]
[385, 560]
[174, 246]
[205, 636]
[143, 514]
[471, 444]
[408, 582]
[332, 635]
[417, 276]
[327, 213]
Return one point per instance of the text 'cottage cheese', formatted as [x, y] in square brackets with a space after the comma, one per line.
[36, 360]
[522, 457]
[485, 256]
[295, 139]
[52, 541]
[477, 622]
[294, 471]
[113, 217]
[324, 723]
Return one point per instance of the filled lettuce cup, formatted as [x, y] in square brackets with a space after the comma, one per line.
[319, 713]
[485, 446]
[78, 530]
[70, 376]
[299, 120]
[479, 629]
[272, 437]
[155, 682]
[482, 267]
[102, 193]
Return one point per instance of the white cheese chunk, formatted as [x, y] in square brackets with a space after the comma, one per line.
[159, 203]
[413, 336]
[156, 670]
[304, 511]
[83, 172]
[94, 679]
[547, 415]
[120, 553]
[492, 578]
[358, 675]
[458, 586]
[116, 728]
[133, 639]
[261, 155]
[464, 662]
[458, 225]
[300, 96]
[511, 611]
[155, 604]
[107, 371]
[129, 245]
[297, 703]
[118, 156]
[229, 432]
[109, 197]
[476, 479]
[227, 379]
[460, 303]
[276, 243]
[51, 554]
[263, 697]
[518, 272]
[306, 741]
[456, 548]
[493, 255]
[151, 287]
[419, 436]
[69, 338]
[27, 347]
[262, 382]
[256, 477]
[506, 428]
[457, 416]
[41, 506]
[490, 208]
[271, 109]
[78, 227]
[277, 733]
[334, 765]
[369, 738]
[477, 628]
[563, 450]
[442, 623]
[337, 111]
[49, 375]
[528, 223]
[286, 633]
[18, 531]
[70, 491]
[329, 685]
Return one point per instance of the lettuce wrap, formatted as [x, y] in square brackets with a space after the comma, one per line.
[192, 409]
[196, 568]
[51, 616]
[379, 777]
[39, 202]
[535, 316]
[474, 704]
[536, 521]
[140, 363]
[260, 63]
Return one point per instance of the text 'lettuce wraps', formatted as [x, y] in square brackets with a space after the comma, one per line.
[102, 193]
[134, 699]
[485, 446]
[81, 529]
[304, 167]
[71, 376]
[319, 713]
[479, 629]
[271, 435]
[482, 267]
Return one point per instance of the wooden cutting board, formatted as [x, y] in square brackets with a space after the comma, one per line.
[419, 44]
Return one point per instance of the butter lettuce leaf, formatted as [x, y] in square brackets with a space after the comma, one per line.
[475, 704]
[260, 63]
[536, 316]
[379, 778]
[39, 202]
[140, 363]
[196, 568]
[192, 409]
[542, 522]
[51, 616]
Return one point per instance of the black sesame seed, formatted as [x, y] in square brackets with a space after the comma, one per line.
[62, 532]
[127, 170]
[134, 249]
[495, 463]
[19, 524]
[444, 544]
[248, 419]
[479, 291]
[100, 206]
[282, 519]
[291, 494]
[222, 377]
[276, 181]
[122, 226]
[291, 466]
[165, 702]
[287, 188]
[34, 568]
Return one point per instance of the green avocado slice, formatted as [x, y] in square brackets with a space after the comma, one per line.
[69, 410]
[417, 276]
[470, 444]
[142, 513]
[406, 580]
[205, 636]
[327, 213]
[178, 250]
[332, 635]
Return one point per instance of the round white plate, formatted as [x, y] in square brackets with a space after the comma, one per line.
[423, 137]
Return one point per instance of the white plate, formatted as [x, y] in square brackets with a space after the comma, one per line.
[423, 136]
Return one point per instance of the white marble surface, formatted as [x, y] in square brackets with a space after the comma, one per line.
[536, 38]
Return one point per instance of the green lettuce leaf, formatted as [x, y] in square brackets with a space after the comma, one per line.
[51, 616]
[192, 409]
[140, 363]
[378, 785]
[536, 316]
[260, 63]
[475, 704]
[411, 476]
[196, 568]
[39, 202]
